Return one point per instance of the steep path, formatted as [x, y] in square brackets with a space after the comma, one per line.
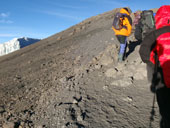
[72, 80]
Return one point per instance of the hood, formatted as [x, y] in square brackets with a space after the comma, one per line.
[162, 17]
[124, 11]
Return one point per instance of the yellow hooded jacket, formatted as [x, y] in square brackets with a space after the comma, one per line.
[126, 22]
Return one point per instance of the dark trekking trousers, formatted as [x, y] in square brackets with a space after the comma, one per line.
[163, 98]
[122, 40]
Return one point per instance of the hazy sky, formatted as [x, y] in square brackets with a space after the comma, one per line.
[43, 18]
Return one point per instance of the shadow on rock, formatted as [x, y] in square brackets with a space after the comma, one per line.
[132, 46]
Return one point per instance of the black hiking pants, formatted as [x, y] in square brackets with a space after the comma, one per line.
[163, 99]
[121, 39]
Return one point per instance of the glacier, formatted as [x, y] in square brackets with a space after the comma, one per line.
[16, 44]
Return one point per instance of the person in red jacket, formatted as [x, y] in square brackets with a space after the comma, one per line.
[155, 52]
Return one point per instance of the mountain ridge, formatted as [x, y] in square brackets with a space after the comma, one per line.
[16, 44]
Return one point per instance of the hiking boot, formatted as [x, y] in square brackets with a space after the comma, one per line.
[120, 57]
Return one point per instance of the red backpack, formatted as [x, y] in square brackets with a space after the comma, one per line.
[162, 46]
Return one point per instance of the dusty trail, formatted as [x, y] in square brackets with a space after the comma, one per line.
[72, 80]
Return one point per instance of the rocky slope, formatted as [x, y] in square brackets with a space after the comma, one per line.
[72, 80]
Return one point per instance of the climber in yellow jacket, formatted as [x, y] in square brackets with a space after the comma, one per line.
[123, 32]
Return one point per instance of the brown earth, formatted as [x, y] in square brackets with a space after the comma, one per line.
[72, 80]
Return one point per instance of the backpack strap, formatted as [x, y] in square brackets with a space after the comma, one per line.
[129, 19]
[162, 30]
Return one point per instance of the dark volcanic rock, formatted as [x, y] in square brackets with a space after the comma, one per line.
[72, 80]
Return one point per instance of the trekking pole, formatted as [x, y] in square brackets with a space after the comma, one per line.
[152, 111]
[153, 89]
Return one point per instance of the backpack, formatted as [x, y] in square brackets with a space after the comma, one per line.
[137, 17]
[146, 24]
[162, 46]
[160, 54]
[118, 20]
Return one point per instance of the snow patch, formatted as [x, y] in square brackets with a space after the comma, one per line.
[16, 44]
